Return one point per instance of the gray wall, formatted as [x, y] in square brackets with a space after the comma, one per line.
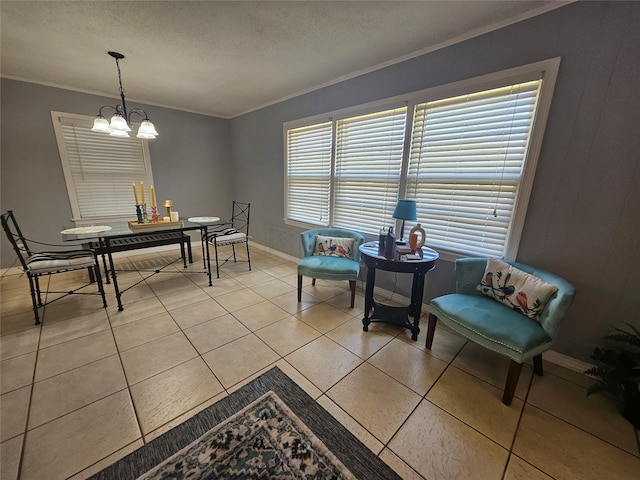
[582, 221]
[190, 159]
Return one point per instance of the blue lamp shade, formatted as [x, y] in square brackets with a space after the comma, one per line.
[405, 210]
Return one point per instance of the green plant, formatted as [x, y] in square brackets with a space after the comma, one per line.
[617, 370]
[617, 365]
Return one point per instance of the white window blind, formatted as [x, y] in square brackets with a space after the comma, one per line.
[465, 166]
[309, 173]
[99, 169]
[368, 166]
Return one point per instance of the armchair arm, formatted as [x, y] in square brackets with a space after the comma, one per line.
[558, 304]
[308, 242]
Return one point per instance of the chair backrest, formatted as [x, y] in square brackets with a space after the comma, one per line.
[17, 240]
[240, 216]
[308, 238]
[469, 273]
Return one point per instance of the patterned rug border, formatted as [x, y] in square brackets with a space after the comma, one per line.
[361, 461]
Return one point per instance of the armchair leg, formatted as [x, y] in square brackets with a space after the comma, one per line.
[299, 288]
[352, 285]
[431, 329]
[537, 365]
[313, 282]
[512, 381]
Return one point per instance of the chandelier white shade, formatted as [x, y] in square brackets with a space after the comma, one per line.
[120, 124]
[147, 130]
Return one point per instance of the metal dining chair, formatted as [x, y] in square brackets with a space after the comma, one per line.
[38, 264]
[232, 232]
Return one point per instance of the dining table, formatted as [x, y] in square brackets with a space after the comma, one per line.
[109, 238]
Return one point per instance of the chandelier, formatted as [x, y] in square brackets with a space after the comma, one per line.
[120, 124]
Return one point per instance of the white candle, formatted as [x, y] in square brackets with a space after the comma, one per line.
[135, 193]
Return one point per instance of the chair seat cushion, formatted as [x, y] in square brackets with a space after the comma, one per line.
[227, 237]
[492, 324]
[48, 262]
[329, 268]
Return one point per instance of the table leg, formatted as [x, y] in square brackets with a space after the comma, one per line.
[417, 292]
[205, 243]
[102, 247]
[368, 297]
[182, 251]
[114, 276]
[106, 270]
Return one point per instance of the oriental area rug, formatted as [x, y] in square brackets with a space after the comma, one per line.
[268, 429]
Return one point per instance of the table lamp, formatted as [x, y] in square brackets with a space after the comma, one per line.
[405, 210]
[168, 204]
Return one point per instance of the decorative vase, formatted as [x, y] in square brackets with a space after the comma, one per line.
[416, 232]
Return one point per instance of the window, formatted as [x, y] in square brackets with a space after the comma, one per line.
[368, 165]
[467, 155]
[465, 166]
[99, 170]
[309, 173]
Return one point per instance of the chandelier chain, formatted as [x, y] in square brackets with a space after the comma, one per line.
[119, 77]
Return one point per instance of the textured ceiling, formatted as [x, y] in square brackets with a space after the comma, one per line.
[228, 58]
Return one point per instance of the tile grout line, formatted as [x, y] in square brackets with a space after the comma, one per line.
[128, 386]
[32, 386]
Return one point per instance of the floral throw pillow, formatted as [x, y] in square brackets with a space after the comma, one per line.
[334, 246]
[519, 290]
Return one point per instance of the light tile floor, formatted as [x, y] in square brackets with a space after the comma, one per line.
[91, 385]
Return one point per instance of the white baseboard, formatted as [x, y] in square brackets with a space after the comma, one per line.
[565, 361]
[278, 253]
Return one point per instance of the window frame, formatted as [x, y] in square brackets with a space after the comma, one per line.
[56, 118]
[546, 69]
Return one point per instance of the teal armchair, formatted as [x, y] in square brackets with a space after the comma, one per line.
[494, 325]
[329, 267]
